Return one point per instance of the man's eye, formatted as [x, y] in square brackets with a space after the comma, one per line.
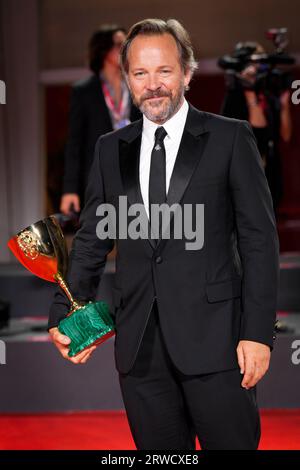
[165, 71]
[138, 74]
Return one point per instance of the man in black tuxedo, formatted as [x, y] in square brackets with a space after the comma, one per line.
[194, 327]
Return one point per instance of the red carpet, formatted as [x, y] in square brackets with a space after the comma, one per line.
[108, 430]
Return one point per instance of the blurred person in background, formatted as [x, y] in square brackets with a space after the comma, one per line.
[99, 104]
[249, 97]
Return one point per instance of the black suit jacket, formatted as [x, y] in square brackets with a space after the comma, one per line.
[208, 299]
[89, 118]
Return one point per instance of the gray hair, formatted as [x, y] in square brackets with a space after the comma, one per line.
[154, 26]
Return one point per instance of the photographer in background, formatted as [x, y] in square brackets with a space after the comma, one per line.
[259, 93]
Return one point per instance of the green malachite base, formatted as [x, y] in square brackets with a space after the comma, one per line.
[90, 324]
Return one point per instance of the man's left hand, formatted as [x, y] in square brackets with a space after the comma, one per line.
[254, 360]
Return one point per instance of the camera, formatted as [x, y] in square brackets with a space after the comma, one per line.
[254, 69]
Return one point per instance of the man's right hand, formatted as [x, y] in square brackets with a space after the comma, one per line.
[62, 342]
[67, 201]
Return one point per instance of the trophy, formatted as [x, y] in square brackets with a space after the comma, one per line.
[42, 249]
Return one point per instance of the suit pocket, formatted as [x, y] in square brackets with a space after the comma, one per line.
[218, 291]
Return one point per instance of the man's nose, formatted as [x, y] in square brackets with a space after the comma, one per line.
[153, 82]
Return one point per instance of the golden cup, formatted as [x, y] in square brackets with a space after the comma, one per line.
[42, 249]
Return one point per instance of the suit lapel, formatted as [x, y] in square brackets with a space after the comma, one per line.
[129, 167]
[190, 151]
[188, 157]
[129, 158]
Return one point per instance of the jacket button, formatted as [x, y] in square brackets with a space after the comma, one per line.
[158, 259]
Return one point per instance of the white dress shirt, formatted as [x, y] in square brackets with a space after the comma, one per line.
[174, 128]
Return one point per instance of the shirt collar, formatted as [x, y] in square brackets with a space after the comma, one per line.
[172, 126]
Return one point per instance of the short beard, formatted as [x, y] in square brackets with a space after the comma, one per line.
[169, 109]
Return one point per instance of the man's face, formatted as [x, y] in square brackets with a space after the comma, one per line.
[155, 77]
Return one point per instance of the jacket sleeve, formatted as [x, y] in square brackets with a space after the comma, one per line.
[88, 253]
[257, 237]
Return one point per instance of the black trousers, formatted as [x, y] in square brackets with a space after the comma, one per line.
[167, 409]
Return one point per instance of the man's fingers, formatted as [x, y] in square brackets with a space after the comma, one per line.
[256, 377]
[249, 371]
[77, 359]
[254, 360]
[61, 339]
[62, 343]
[83, 356]
[260, 371]
[241, 360]
[92, 349]
[247, 378]
[64, 352]
[90, 352]
[255, 370]
[83, 361]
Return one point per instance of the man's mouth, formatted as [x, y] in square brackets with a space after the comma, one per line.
[156, 98]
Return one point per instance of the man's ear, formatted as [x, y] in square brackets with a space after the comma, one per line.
[187, 78]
